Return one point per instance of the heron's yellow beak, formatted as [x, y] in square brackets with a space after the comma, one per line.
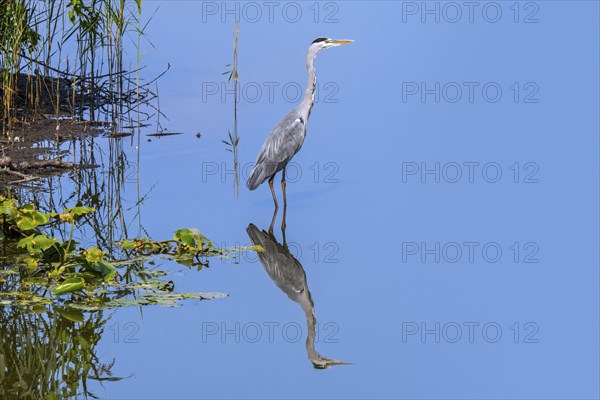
[340, 42]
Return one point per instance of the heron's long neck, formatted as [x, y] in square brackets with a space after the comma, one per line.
[311, 86]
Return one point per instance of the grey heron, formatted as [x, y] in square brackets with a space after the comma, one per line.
[286, 139]
[288, 274]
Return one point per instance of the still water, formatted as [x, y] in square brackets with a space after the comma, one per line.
[442, 220]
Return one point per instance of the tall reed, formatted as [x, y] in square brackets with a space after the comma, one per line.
[234, 138]
[73, 53]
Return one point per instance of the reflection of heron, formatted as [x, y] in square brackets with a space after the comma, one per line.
[289, 276]
[287, 137]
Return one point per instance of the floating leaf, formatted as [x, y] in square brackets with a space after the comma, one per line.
[32, 263]
[8, 272]
[23, 299]
[186, 259]
[94, 254]
[164, 299]
[77, 211]
[36, 243]
[128, 244]
[153, 272]
[70, 285]
[146, 299]
[8, 208]
[192, 237]
[70, 213]
[106, 269]
[38, 309]
[71, 315]
[30, 219]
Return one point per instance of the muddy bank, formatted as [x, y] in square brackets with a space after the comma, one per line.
[36, 128]
[34, 150]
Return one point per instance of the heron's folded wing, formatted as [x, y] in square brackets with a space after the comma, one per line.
[283, 142]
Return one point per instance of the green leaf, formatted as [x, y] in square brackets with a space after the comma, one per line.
[32, 263]
[9, 209]
[185, 236]
[36, 243]
[30, 219]
[106, 269]
[59, 252]
[71, 315]
[69, 285]
[93, 254]
[186, 259]
[79, 211]
[128, 244]
[38, 309]
[192, 237]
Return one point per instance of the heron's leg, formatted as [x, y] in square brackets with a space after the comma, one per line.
[273, 191]
[283, 185]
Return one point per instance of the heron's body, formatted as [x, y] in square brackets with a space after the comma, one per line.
[287, 138]
[284, 141]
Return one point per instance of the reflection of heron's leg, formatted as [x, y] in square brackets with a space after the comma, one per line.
[272, 222]
[273, 191]
[283, 185]
[283, 231]
[283, 223]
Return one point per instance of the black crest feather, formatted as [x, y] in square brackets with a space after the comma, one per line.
[319, 39]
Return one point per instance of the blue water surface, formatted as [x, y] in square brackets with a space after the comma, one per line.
[444, 205]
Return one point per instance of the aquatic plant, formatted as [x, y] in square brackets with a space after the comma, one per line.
[42, 269]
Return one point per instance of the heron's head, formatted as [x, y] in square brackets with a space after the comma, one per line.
[321, 43]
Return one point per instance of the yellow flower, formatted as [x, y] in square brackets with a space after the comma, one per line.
[66, 217]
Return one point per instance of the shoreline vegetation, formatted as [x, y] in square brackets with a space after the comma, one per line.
[63, 82]
[63, 74]
[67, 253]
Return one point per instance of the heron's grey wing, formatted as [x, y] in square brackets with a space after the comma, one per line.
[280, 264]
[283, 142]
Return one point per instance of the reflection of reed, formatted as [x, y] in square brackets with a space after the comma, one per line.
[288, 274]
[102, 188]
[50, 356]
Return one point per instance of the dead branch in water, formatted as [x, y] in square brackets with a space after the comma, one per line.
[8, 165]
[24, 178]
